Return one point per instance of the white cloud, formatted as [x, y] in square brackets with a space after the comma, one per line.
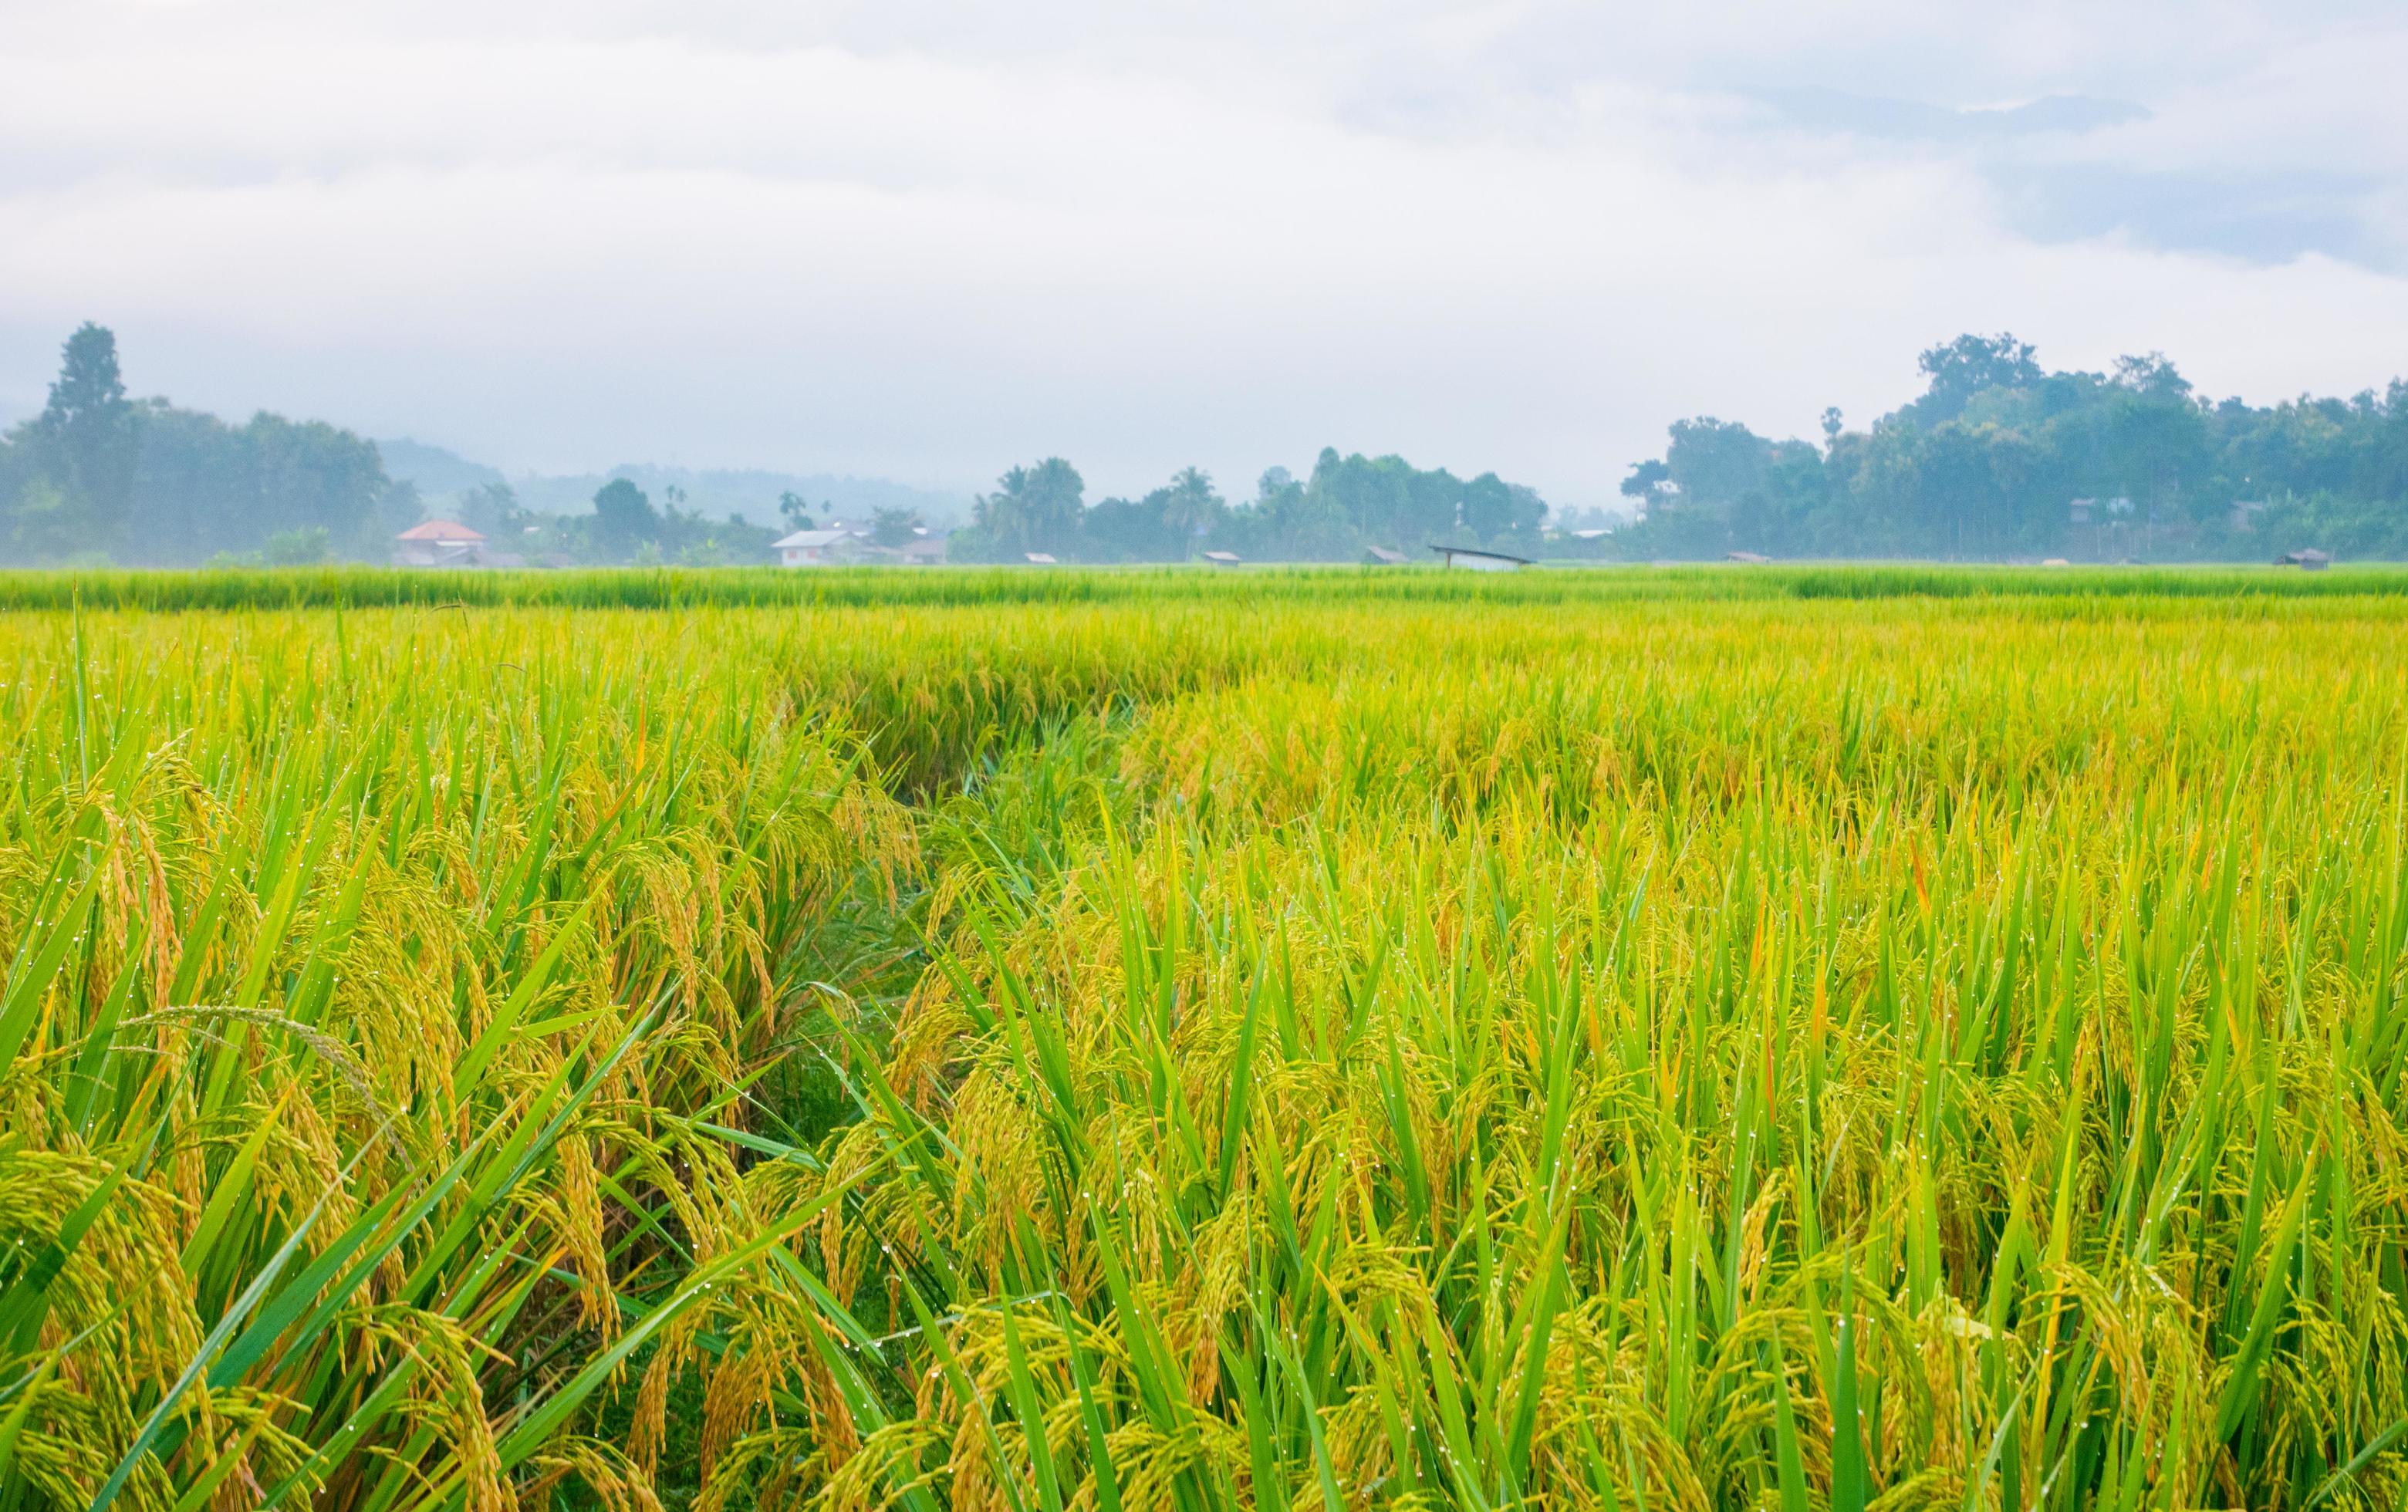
[916, 241]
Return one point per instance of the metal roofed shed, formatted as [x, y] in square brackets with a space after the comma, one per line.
[2307, 559]
[1042, 559]
[1382, 557]
[1477, 560]
[1223, 559]
[1745, 556]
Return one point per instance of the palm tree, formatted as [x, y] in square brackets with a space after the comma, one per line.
[1191, 506]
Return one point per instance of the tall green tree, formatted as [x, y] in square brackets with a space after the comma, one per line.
[313, 476]
[1163, 526]
[92, 423]
[1965, 367]
[1497, 512]
[1033, 508]
[1712, 463]
[493, 509]
[1189, 505]
[1648, 485]
[624, 520]
[86, 443]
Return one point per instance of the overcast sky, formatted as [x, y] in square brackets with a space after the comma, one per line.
[924, 240]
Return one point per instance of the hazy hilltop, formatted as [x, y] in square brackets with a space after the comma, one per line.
[434, 471]
[440, 475]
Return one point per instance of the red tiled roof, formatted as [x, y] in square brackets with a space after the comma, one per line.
[439, 530]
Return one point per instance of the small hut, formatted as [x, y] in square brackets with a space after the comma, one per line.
[1745, 556]
[1042, 559]
[1223, 559]
[2307, 559]
[1380, 556]
[1477, 560]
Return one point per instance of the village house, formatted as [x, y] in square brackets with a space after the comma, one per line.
[440, 543]
[811, 548]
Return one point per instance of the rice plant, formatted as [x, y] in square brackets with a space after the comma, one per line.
[1333, 1041]
[384, 1027]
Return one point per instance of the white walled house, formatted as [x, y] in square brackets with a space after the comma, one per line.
[811, 548]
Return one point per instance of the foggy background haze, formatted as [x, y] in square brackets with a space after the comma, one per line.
[923, 242]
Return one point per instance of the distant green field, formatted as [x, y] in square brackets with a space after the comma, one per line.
[660, 588]
[1092, 1040]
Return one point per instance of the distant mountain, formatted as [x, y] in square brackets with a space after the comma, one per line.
[433, 470]
[752, 492]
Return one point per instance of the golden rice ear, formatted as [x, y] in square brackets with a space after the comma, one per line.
[835, 1432]
[597, 1299]
[649, 1427]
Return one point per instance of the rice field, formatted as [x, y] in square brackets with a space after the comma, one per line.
[1108, 1042]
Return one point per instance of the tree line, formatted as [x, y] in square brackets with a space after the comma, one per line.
[1346, 505]
[99, 477]
[624, 527]
[1998, 459]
